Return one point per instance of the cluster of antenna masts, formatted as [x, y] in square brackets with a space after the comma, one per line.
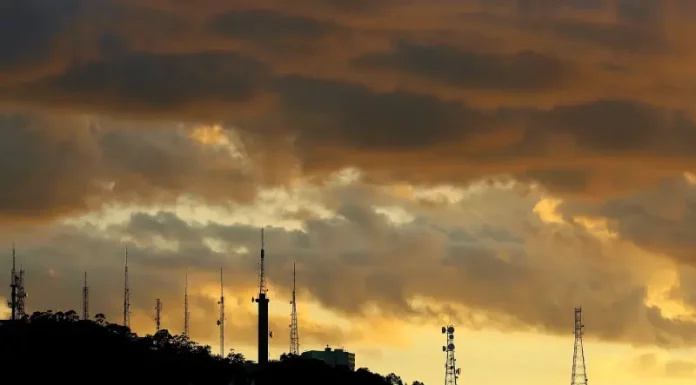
[18, 294]
[578, 372]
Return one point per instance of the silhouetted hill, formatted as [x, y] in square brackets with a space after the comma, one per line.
[59, 347]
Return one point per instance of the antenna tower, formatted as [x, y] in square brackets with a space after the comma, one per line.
[221, 321]
[126, 296]
[17, 292]
[186, 308]
[21, 295]
[579, 373]
[85, 300]
[13, 286]
[294, 332]
[158, 313]
[451, 371]
[263, 308]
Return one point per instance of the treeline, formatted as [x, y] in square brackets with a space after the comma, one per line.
[49, 347]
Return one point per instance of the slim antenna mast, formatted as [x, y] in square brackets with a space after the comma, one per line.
[294, 332]
[221, 321]
[158, 313]
[186, 308]
[451, 371]
[126, 296]
[579, 371]
[85, 300]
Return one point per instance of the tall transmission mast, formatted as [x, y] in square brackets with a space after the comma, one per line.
[294, 331]
[158, 313]
[21, 294]
[186, 308]
[263, 308]
[85, 300]
[17, 291]
[451, 371]
[579, 371]
[221, 321]
[126, 296]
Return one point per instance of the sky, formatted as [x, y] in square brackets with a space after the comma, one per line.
[490, 163]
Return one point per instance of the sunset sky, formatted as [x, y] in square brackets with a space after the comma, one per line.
[495, 163]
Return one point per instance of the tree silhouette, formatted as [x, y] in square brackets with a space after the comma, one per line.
[96, 351]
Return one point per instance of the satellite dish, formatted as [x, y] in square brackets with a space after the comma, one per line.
[444, 349]
[218, 322]
[252, 299]
[271, 334]
[450, 329]
[450, 347]
[444, 330]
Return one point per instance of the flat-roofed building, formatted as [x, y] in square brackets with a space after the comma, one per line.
[334, 358]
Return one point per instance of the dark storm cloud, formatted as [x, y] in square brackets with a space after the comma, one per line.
[526, 70]
[28, 29]
[158, 83]
[265, 27]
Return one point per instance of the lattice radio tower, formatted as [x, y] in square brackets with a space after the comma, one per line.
[262, 300]
[294, 331]
[158, 313]
[126, 296]
[17, 292]
[579, 371]
[451, 371]
[221, 321]
[85, 300]
[186, 308]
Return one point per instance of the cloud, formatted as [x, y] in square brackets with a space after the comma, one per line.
[504, 272]
[58, 166]
[504, 88]
[652, 364]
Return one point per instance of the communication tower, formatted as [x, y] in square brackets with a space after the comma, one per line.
[17, 292]
[186, 308]
[13, 286]
[579, 371]
[262, 300]
[126, 296]
[158, 313]
[221, 321]
[451, 371]
[85, 300]
[294, 331]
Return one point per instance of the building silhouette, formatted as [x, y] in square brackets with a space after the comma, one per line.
[333, 358]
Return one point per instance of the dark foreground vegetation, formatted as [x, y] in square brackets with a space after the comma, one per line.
[58, 347]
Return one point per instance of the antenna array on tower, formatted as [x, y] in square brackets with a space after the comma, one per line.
[186, 308]
[294, 332]
[451, 371]
[221, 321]
[85, 300]
[126, 296]
[158, 313]
[579, 372]
[17, 292]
